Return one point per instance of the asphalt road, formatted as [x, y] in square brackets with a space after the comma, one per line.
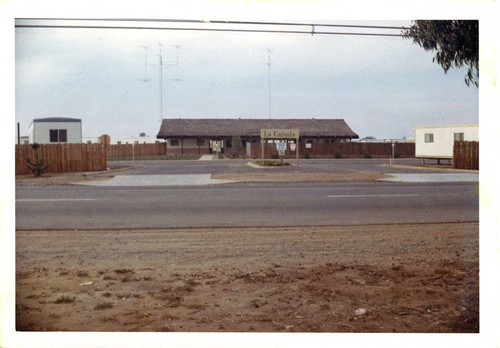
[243, 205]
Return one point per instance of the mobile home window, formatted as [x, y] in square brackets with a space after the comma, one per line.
[174, 142]
[458, 136]
[200, 142]
[429, 137]
[58, 136]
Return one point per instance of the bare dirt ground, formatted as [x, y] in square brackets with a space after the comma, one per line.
[384, 278]
[61, 178]
[69, 178]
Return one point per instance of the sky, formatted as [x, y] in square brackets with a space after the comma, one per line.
[381, 86]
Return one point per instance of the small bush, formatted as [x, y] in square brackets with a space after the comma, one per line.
[367, 155]
[104, 305]
[275, 155]
[268, 163]
[38, 165]
[238, 150]
[337, 154]
[307, 155]
[65, 299]
[82, 274]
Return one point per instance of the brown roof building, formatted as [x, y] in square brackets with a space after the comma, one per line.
[334, 129]
[199, 133]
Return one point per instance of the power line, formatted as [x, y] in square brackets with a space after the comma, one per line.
[313, 30]
[206, 29]
[214, 22]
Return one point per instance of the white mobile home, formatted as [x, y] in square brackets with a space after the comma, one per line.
[437, 141]
[55, 130]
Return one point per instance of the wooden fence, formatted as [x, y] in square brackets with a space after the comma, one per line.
[63, 158]
[349, 150]
[129, 150]
[466, 155]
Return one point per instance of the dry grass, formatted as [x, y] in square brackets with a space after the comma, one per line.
[65, 299]
[103, 305]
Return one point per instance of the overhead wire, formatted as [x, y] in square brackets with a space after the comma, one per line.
[313, 26]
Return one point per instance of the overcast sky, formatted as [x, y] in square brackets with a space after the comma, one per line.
[381, 86]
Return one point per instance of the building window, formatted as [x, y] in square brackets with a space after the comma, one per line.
[458, 136]
[174, 142]
[58, 136]
[118, 142]
[200, 142]
[429, 137]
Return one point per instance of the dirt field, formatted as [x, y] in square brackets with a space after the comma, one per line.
[387, 278]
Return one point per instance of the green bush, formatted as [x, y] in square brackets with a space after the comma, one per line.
[367, 155]
[268, 163]
[307, 155]
[38, 165]
[238, 150]
[337, 154]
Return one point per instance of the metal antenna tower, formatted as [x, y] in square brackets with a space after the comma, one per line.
[177, 63]
[145, 79]
[269, 77]
[161, 84]
[160, 68]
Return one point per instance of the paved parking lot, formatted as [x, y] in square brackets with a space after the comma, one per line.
[240, 166]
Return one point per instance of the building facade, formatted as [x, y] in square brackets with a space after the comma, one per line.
[55, 130]
[437, 141]
[198, 135]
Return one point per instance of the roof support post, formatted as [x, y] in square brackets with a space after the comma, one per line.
[297, 152]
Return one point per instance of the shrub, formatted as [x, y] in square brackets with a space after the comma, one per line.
[307, 155]
[367, 155]
[337, 154]
[65, 299]
[275, 155]
[268, 163]
[105, 305]
[237, 147]
[38, 165]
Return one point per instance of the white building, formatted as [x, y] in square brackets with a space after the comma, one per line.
[437, 141]
[55, 130]
[23, 140]
[124, 140]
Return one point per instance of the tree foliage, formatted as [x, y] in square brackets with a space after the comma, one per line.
[456, 43]
[238, 148]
